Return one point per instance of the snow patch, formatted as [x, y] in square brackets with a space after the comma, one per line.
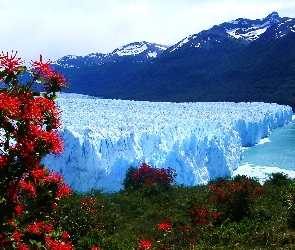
[181, 43]
[152, 54]
[248, 34]
[132, 49]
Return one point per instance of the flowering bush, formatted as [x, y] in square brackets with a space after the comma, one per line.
[235, 197]
[79, 216]
[29, 193]
[147, 176]
[203, 216]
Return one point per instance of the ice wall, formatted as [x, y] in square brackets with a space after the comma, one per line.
[201, 141]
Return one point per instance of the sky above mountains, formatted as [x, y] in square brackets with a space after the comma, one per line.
[57, 28]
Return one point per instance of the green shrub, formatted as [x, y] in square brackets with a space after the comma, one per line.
[128, 182]
[280, 179]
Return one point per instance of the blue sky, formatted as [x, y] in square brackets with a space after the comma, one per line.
[55, 28]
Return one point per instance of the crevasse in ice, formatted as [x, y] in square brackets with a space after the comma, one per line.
[201, 141]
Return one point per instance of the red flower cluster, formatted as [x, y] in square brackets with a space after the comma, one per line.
[43, 71]
[147, 176]
[10, 63]
[144, 244]
[164, 226]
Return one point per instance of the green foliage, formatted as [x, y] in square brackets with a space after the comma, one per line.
[280, 179]
[128, 183]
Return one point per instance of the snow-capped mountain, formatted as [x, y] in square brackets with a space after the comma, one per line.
[239, 60]
[137, 52]
[242, 30]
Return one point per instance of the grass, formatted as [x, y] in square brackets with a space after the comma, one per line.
[120, 220]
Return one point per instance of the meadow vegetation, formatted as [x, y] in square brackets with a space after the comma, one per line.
[231, 213]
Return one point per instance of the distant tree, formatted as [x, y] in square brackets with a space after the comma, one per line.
[147, 177]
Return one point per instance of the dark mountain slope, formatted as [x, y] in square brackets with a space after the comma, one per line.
[261, 71]
[99, 79]
[171, 75]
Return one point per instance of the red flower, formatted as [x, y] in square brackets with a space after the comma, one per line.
[147, 175]
[65, 236]
[48, 228]
[29, 187]
[95, 248]
[28, 133]
[164, 226]
[144, 244]
[23, 247]
[40, 67]
[63, 190]
[11, 63]
[10, 222]
[56, 245]
[35, 228]
[17, 236]
[19, 209]
[3, 160]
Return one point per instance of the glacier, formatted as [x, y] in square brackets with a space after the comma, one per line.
[201, 141]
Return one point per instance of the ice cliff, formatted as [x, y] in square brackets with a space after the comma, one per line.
[201, 141]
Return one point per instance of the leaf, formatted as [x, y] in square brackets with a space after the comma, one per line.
[36, 243]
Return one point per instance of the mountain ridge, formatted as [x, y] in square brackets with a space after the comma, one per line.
[255, 56]
[144, 51]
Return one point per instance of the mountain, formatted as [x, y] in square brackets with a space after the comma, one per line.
[95, 73]
[136, 52]
[240, 60]
[243, 30]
